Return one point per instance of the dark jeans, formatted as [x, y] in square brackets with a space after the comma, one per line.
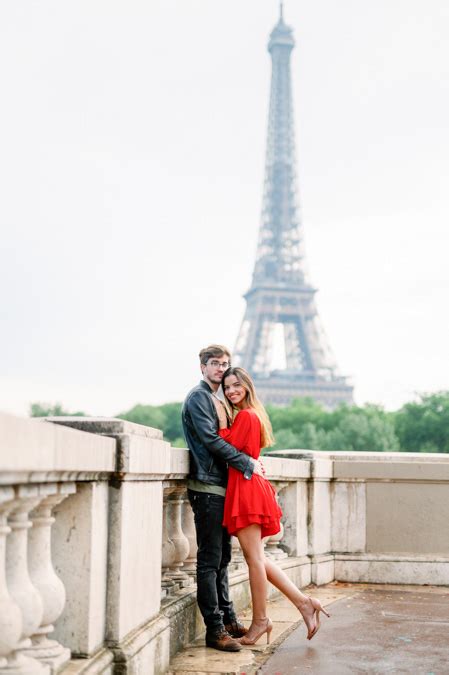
[213, 557]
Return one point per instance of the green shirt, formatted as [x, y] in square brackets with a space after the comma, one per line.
[199, 486]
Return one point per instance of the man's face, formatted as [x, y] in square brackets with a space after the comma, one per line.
[215, 367]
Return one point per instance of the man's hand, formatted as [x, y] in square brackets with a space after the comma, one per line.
[259, 468]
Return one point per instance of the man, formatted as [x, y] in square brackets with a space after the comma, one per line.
[209, 457]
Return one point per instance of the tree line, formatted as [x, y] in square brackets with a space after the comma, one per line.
[418, 426]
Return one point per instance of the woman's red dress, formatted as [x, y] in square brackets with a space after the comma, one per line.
[249, 501]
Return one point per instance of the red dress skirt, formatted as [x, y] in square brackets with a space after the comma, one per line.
[249, 501]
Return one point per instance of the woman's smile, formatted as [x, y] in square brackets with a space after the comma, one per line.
[234, 390]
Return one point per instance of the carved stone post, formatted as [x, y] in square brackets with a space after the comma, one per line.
[10, 615]
[177, 536]
[168, 547]
[20, 587]
[43, 575]
[188, 527]
[272, 549]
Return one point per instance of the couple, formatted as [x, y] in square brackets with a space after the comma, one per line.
[230, 495]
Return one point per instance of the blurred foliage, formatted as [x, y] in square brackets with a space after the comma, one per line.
[419, 426]
[56, 410]
[166, 417]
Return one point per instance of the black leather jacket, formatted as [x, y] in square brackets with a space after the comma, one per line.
[209, 453]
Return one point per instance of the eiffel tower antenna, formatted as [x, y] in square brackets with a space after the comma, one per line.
[281, 342]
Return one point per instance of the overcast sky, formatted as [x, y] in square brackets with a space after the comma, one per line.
[131, 169]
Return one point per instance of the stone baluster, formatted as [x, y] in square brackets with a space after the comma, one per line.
[10, 614]
[272, 549]
[20, 587]
[43, 575]
[177, 536]
[188, 527]
[168, 548]
[237, 557]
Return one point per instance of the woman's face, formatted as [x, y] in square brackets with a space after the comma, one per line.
[234, 391]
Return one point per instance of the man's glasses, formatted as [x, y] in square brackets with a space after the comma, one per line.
[216, 364]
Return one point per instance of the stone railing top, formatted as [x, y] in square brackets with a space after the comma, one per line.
[56, 448]
[141, 450]
[400, 466]
[281, 468]
[343, 455]
[30, 445]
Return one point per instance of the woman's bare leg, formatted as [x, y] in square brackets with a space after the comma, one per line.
[303, 603]
[252, 547]
[262, 570]
[278, 578]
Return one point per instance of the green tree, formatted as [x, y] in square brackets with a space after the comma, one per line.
[308, 438]
[367, 429]
[166, 417]
[305, 425]
[300, 411]
[423, 425]
[149, 415]
[172, 421]
[284, 440]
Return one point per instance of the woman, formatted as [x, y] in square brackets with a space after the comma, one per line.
[251, 511]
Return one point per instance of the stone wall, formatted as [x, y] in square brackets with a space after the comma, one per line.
[97, 541]
[387, 514]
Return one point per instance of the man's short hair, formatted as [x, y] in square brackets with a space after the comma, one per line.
[213, 351]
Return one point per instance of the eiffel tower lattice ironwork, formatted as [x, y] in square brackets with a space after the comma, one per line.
[281, 342]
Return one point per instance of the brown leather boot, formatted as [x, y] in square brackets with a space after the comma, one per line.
[236, 629]
[223, 641]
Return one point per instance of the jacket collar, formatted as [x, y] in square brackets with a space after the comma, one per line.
[204, 385]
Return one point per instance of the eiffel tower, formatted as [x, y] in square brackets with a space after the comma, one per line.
[281, 342]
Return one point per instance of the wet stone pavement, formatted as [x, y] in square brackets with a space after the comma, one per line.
[373, 629]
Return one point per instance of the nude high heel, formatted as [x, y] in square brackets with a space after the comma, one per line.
[318, 607]
[267, 628]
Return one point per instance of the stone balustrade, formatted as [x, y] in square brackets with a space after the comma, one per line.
[98, 547]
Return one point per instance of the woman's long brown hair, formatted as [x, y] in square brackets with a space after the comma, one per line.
[244, 378]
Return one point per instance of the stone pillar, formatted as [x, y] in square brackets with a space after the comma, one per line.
[10, 615]
[322, 567]
[188, 527]
[80, 548]
[272, 549]
[348, 500]
[20, 587]
[134, 569]
[319, 518]
[44, 577]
